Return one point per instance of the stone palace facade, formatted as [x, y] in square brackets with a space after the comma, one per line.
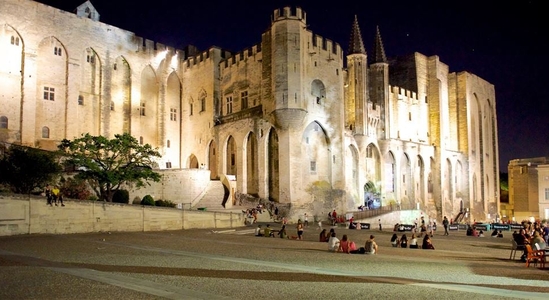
[294, 119]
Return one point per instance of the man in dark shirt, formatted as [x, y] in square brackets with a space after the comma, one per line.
[521, 239]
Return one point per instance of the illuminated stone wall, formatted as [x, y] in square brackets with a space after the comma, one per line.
[283, 116]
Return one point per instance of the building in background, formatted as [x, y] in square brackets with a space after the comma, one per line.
[529, 189]
[294, 119]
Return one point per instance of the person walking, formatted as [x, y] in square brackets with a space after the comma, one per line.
[445, 224]
[379, 221]
[299, 230]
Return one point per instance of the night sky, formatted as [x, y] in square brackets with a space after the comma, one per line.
[501, 41]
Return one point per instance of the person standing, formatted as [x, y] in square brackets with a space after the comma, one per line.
[299, 230]
[306, 220]
[445, 224]
[379, 221]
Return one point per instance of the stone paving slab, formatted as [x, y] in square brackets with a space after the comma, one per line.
[233, 264]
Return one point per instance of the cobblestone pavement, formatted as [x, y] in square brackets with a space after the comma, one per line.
[233, 264]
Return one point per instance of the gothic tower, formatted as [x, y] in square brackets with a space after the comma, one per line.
[379, 86]
[357, 92]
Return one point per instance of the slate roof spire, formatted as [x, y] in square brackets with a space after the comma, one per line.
[356, 46]
[378, 54]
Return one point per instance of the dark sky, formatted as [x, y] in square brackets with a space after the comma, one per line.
[501, 41]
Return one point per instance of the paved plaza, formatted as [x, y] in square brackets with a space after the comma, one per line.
[234, 264]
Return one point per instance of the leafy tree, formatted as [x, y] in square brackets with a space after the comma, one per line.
[25, 169]
[75, 188]
[107, 164]
[504, 181]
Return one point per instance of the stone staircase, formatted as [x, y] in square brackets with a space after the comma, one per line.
[213, 197]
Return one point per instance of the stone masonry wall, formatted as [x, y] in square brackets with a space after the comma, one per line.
[24, 215]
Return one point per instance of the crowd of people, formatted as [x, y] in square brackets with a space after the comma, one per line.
[534, 234]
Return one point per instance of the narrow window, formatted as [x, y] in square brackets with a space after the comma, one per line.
[229, 105]
[244, 96]
[4, 122]
[203, 104]
[168, 143]
[112, 105]
[173, 114]
[12, 40]
[142, 109]
[140, 140]
[49, 93]
[45, 132]
[168, 165]
[546, 194]
[191, 109]
[80, 100]
[313, 166]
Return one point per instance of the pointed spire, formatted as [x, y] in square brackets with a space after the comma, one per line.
[356, 46]
[379, 52]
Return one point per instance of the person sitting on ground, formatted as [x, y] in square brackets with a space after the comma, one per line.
[371, 246]
[500, 235]
[267, 232]
[469, 231]
[346, 245]
[282, 233]
[352, 224]
[258, 231]
[413, 242]
[494, 233]
[475, 232]
[333, 242]
[481, 233]
[403, 241]
[394, 240]
[323, 237]
[427, 244]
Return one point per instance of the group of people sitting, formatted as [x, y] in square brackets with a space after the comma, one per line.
[53, 195]
[535, 240]
[269, 232]
[345, 245]
[403, 242]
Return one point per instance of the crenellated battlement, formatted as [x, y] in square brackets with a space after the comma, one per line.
[241, 56]
[198, 59]
[321, 45]
[289, 13]
[403, 94]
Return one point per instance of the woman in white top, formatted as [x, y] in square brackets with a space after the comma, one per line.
[333, 243]
[413, 241]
